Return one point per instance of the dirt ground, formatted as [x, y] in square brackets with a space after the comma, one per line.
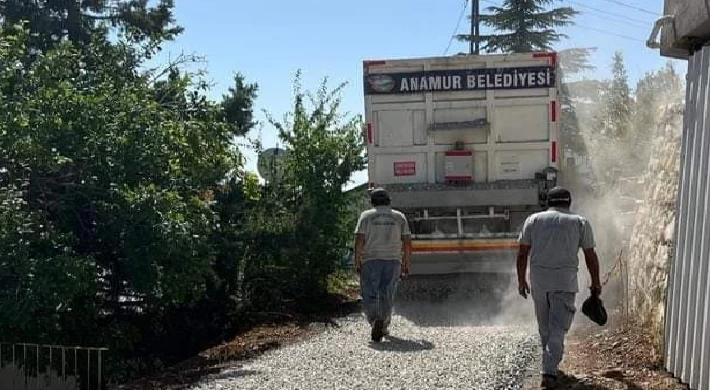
[616, 358]
[248, 345]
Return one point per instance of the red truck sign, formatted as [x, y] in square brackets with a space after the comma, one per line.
[405, 168]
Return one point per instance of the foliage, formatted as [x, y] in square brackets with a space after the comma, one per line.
[237, 105]
[300, 227]
[126, 218]
[572, 62]
[52, 21]
[615, 116]
[576, 60]
[104, 209]
[653, 91]
[523, 26]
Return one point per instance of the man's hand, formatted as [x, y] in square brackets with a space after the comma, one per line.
[590, 257]
[522, 265]
[596, 289]
[358, 266]
[359, 244]
[523, 288]
[405, 268]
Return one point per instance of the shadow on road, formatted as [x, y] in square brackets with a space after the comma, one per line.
[396, 344]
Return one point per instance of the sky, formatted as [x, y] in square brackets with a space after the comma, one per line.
[268, 41]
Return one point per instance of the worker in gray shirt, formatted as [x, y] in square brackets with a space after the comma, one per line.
[382, 253]
[552, 239]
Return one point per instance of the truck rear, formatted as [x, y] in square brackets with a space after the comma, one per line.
[467, 146]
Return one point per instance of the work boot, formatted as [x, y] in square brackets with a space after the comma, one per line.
[378, 331]
[548, 382]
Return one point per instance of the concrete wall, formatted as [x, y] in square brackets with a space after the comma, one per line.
[690, 27]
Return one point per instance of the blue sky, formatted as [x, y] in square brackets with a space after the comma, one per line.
[268, 41]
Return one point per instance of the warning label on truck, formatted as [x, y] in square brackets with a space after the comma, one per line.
[405, 168]
[460, 80]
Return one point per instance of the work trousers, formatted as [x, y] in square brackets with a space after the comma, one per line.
[378, 283]
[554, 311]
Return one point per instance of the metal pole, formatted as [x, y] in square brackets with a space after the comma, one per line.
[88, 369]
[474, 47]
[99, 374]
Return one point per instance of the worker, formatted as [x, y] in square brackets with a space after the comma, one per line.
[552, 238]
[382, 254]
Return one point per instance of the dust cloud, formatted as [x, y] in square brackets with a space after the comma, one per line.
[608, 187]
[611, 186]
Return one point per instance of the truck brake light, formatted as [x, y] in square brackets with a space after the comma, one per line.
[369, 133]
[554, 151]
[553, 111]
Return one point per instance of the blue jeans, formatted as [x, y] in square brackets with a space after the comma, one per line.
[378, 283]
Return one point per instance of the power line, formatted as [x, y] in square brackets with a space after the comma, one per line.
[609, 33]
[608, 19]
[599, 10]
[456, 30]
[645, 23]
[621, 3]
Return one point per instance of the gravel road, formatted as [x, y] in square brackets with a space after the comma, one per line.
[431, 347]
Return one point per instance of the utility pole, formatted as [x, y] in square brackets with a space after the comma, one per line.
[475, 24]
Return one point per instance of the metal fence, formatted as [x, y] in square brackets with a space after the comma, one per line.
[687, 328]
[45, 367]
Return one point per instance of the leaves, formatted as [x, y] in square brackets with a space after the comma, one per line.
[126, 217]
[53, 21]
[523, 26]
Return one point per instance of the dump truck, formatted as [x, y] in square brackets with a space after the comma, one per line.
[467, 147]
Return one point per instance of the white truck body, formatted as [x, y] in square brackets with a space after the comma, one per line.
[466, 146]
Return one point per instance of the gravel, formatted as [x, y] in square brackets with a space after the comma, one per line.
[435, 352]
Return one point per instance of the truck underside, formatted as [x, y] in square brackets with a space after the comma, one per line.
[458, 249]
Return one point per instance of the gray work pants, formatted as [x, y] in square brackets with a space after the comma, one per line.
[378, 283]
[554, 311]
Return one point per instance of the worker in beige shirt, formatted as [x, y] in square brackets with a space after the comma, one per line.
[382, 253]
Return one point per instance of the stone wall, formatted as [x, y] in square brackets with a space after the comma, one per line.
[650, 245]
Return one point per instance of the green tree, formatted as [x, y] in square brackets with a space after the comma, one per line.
[51, 21]
[523, 26]
[300, 227]
[237, 105]
[104, 202]
[615, 115]
[572, 62]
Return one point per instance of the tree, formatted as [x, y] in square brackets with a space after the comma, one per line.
[615, 116]
[523, 26]
[572, 62]
[106, 228]
[300, 227]
[51, 21]
[575, 60]
[653, 91]
[237, 105]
